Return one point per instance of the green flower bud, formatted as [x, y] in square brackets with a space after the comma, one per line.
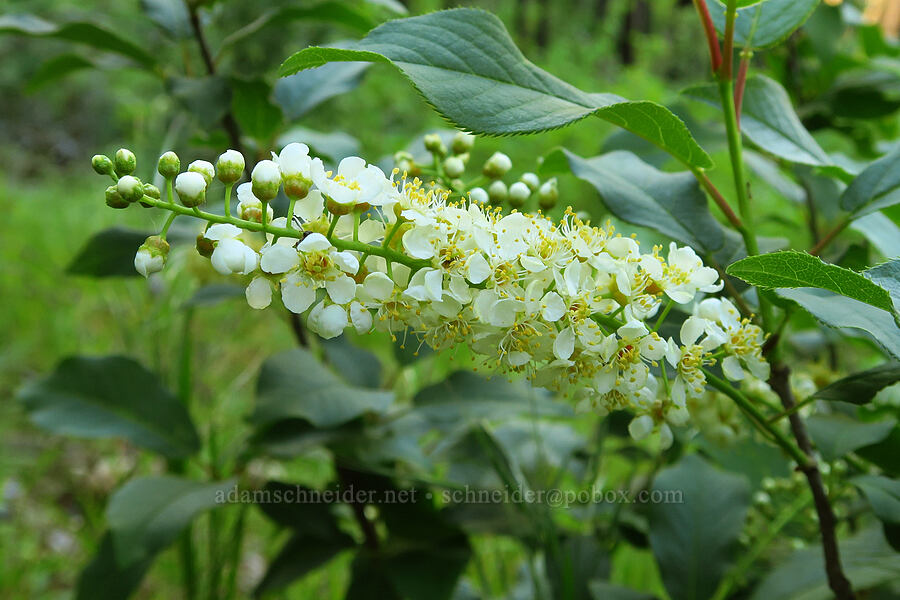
[205, 168]
[266, 178]
[126, 162]
[191, 188]
[151, 256]
[434, 144]
[497, 192]
[497, 165]
[152, 191]
[114, 199]
[169, 165]
[230, 166]
[548, 194]
[462, 142]
[531, 180]
[102, 164]
[518, 194]
[454, 167]
[130, 188]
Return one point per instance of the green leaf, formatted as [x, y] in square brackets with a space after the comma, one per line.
[883, 494]
[881, 231]
[694, 539]
[146, 514]
[861, 387]
[109, 253]
[580, 560]
[171, 15]
[359, 367]
[78, 32]
[56, 68]
[769, 121]
[469, 69]
[294, 384]
[206, 98]
[887, 275]
[765, 25]
[601, 590]
[789, 269]
[111, 396]
[637, 193]
[842, 312]
[299, 556]
[875, 188]
[867, 559]
[836, 435]
[104, 579]
[252, 108]
[299, 93]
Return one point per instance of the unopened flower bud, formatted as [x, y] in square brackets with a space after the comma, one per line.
[130, 188]
[169, 165]
[114, 199]
[205, 168]
[518, 194]
[126, 162]
[497, 192]
[102, 164]
[497, 165]
[191, 188]
[478, 195]
[151, 256]
[462, 142]
[434, 144]
[640, 427]
[531, 180]
[230, 166]
[548, 194]
[205, 246]
[454, 167]
[266, 178]
[152, 191]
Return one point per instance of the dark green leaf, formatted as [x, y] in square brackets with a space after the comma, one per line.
[213, 294]
[469, 69]
[359, 367]
[171, 15]
[56, 68]
[147, 513]
[790, 269]
[867, 559]
[109, 253]
[881, 231]
[764, 25]
[299, 93]
[105, 579]
[602, 590]
[836, 435]
[875, 188]
[885, 454]
[253, 108]
[206, 98]
[694, 540]
[298, 557]
[752, 459]
[579, 560]
[670, 203]
[887, 275]
[294, 384]
[842, 312]
[78, 32]
[111, 396]
[861, 387]
[769, 121]
[883, 494]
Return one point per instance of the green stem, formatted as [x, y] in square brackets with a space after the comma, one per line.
[168, 223]
[228, 187]
[340, 244]
[607, 320]
[170, 194]
[333, 226]
[663, 315]
[264, 216]
[758, 419]
[387, 239]
[355, 226]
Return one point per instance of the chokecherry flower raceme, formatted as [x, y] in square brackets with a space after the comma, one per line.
[568, 304]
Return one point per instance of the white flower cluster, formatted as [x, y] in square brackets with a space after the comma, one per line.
[566, 303]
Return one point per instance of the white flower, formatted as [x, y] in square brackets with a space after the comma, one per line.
[230, 255]
[259, 293]
[328, 321]
[354, 183]
[686, 275]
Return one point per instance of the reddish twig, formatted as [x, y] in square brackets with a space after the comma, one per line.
[740, 86]
[715, 52]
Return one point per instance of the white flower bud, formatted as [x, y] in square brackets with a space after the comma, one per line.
[548, 194]
[463, 142]
[130, 188]
[531, 180]
[102, 164]
[126, 162]
[266, 178]
[203, 167]
[169, 165]
[518, 194]
[454, 167]
[478, 195]
[434, 144]
[230, 166]
[640, 427]
[497, 165]
[191, 188]
[151, 256]
[497, 192]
